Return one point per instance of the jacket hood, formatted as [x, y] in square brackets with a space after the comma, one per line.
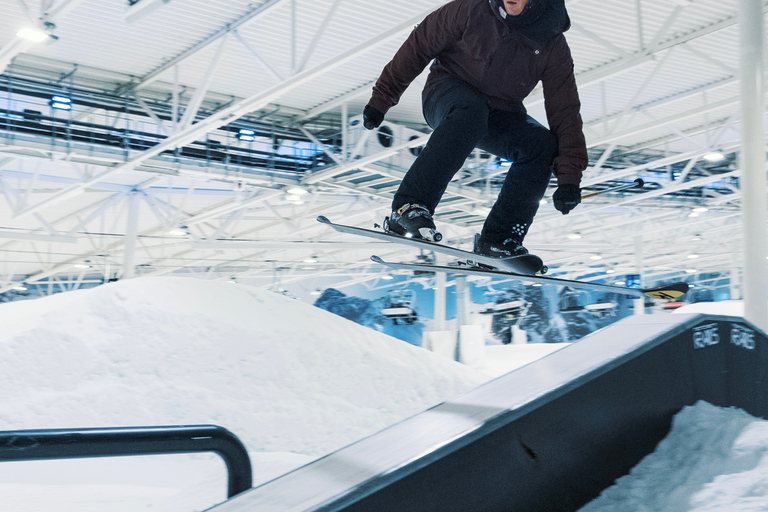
[541, 20]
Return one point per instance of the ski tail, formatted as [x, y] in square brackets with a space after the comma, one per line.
[667, 292]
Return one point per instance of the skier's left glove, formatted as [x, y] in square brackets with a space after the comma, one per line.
[566, 198]
[372, 118]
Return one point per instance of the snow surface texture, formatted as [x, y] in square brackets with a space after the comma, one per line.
[713, 460]
[293, 382]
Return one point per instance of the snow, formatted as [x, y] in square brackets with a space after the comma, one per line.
[501, 359]
[292, 381]
[723, 307]
[713, 459]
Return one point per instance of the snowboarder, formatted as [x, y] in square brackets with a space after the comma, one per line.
[488, 56]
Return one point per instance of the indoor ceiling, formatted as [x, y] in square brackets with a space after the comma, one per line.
[151, 172]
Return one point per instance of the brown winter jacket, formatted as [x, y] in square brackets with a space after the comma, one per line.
[470, 41]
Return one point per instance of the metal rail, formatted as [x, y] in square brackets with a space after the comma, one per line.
[123, 441]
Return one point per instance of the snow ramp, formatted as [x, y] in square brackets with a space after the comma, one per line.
[547, 437]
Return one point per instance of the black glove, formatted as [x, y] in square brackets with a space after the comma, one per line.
[566, 198]
[372, 118]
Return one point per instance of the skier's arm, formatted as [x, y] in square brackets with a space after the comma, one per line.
[561, 101]
[438, 30]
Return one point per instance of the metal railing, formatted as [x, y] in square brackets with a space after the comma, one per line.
[78, 443]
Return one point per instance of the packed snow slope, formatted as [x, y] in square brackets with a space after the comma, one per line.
[714, 459]
[282, 375]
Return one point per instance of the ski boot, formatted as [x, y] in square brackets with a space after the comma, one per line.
[508, 247]
[412, 221]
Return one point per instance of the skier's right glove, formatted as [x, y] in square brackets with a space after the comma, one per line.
[372, 118]
[566, 198]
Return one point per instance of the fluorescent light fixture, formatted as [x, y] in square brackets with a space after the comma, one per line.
[700, 209]
[574, 236]
[595, 257]
[693, 256]
[310, 260]
[246, 135]
[619, 283]
[297, 191]
[316, 292]
[610, 271]
[141, 8]
[61, 103]
[20, 288]
[537, 285]
[82, 265]
[714, 156]
[32, 34]
[387, 277]
[177, 232]
[690, 271]
[293, 199]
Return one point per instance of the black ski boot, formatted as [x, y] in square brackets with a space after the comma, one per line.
[504, 246]
[413, 221]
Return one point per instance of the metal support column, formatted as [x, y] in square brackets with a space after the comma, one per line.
[461, 301]
[439, 316]
[753, 181]
[639, 304]
[131, 232]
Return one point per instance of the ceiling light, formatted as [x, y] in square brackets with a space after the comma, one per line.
[610, 271]
[690, 271]
[543, 201]
[246, 135]
[313, 259]
[714, 156]
[82, 265]
[177, 232]
[693, 256]
[700, 209]
[140, 8]
[595, 257]
[619, 283]
[32, 34]
[20, 288]
[316, 292]
[297, 191]
[387, 277]
[536, 284]
[61, 103]
[695, 238]
[574, 236]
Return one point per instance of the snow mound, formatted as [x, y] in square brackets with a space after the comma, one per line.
[282, 375]
[723, 307]
[713, 459]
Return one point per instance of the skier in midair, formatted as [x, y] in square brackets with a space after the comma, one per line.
[488, 56]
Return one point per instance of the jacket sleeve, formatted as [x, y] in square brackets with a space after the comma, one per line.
[438, 30]
[561, 101]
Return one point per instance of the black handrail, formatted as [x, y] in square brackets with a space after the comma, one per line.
[122, 441]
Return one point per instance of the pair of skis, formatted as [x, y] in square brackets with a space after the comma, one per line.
[521, 268]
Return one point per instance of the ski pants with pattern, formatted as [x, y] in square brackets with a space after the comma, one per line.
[462, 121]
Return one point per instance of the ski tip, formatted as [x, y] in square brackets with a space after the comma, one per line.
[377, 259]
[323, 219]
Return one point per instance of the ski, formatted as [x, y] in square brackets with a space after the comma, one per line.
[526, 264]
[666, 292]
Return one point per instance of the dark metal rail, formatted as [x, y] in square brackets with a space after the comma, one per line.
[123, 441]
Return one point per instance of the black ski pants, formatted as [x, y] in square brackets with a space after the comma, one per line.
[462, 121]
